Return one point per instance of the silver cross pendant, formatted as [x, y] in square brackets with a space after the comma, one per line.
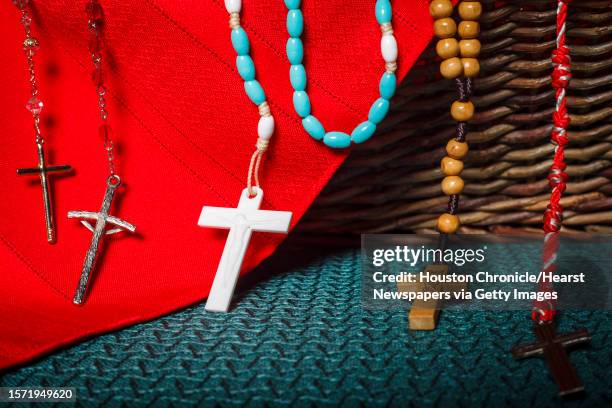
[99, 230]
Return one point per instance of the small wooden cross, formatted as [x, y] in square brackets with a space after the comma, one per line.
[102, 218]
[241, 222]
[423, 314]
[553, 348]
[42, 170]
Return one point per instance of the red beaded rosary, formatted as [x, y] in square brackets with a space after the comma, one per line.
[97, 222]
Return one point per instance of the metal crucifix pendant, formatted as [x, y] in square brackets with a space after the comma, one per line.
[241, 222]
[102, 218]
[552, 346]
[42, 170]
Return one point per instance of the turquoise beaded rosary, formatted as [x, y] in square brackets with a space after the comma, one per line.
[297, 76]
[298, 79]
[247, 218]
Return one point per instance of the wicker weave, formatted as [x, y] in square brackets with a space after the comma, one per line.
[392, 183]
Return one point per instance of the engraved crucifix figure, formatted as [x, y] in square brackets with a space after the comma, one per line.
[99, 229]
[43, 172]
[241, 222]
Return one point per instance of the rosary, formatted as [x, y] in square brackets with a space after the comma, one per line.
[551, 345]
[245, 219]
[96, 222]
[459, 63]
[35, 106]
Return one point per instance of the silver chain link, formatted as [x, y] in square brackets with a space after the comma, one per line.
[29, 46]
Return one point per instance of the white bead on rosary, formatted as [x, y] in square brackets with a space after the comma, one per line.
[388, 47]
[233, 6]
[265, 127]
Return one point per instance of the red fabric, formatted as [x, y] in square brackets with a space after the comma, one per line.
[185, 131]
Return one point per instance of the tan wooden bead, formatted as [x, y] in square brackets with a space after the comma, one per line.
[441, 8]
[456, 150]
[445, 27]
[470, 10]
[469, 48]
[471, 67]
[462, 111]
[451, 167]
[452, 185]
[448, 223]
[451, 68]
[469, 29]
[447, 48]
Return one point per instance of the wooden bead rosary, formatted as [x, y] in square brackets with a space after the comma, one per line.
[459, 62]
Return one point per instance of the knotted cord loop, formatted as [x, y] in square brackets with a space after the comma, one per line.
[260, 148]
[544, 311]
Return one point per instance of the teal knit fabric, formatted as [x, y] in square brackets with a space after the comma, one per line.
[301, 338]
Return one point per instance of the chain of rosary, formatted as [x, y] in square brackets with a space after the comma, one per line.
[95, 22]
[30, 46]
[459, 62]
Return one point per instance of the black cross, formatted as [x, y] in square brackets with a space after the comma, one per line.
[42, 170]
[553, 348]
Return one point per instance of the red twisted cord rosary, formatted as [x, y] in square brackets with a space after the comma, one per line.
[550, 345]
[560, 80]
[553, 217]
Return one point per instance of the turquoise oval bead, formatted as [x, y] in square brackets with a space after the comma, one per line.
[313, 127]
[295, 51]
[295, 23]
[292, 4]
[297, 76]
[255, 92]
[240, 41]
[337, 140]
[246, 67]
[301, 103]
[388, 83]
[383, 11]
[363, 132]
[378, 111]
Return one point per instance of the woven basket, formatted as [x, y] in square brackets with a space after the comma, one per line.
[392, 183]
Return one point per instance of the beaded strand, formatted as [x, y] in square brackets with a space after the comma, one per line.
[95, 22]
[297, 76]
[459, 62]
[253, 89]
[30, 47]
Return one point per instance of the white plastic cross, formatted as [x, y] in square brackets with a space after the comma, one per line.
[241, 222]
